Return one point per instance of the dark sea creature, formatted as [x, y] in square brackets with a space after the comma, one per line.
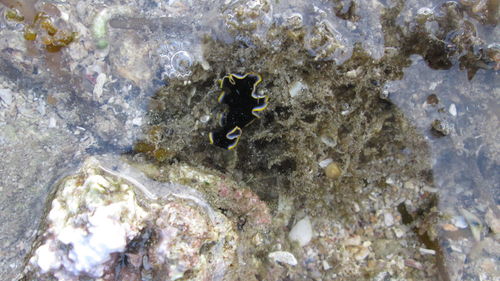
[244, 103]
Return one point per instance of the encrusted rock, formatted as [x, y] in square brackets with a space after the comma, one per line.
[109, 222]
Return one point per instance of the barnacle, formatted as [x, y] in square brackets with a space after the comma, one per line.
[245, 104]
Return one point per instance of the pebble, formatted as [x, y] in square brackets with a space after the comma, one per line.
[205, 118]
[328, 140]
[441, 127]
[333, 171]
[453, 110]
[301, 232]
[388, 219]
[326, 265]
[137, 121]
[283, 257]
[52, 122]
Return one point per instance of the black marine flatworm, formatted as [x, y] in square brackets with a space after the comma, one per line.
[239, 93]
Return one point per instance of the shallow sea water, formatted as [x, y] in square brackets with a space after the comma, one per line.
[402, 95]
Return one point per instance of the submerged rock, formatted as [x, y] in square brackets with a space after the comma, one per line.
[106, 223]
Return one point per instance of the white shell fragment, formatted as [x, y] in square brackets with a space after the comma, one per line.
[459, 222]
[324, 163]
[302, 232]
[296, 88]
[283, 257]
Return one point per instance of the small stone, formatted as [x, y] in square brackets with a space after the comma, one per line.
[137, 121]
[326, 265]
[283, 257]
[333, 171]
[432, 99]
[52, 122]
[388, 219]
[301, 232]
[449, 227]
[328, 139]
[453, 110]
[205, 118]
[441, 128]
